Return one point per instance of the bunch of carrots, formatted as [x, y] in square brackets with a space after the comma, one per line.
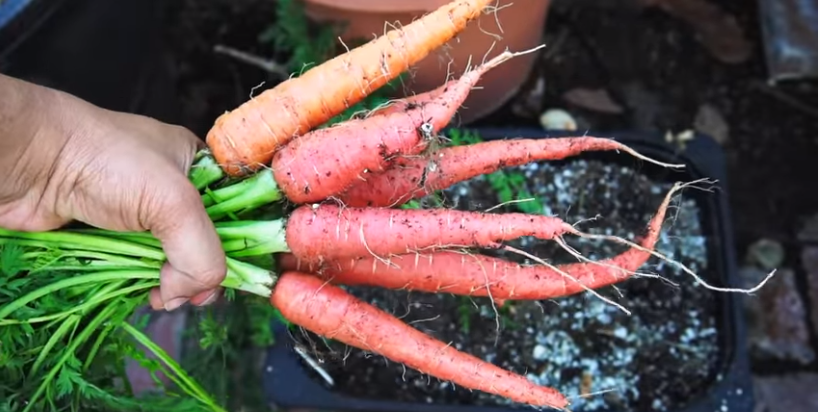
[345, 184]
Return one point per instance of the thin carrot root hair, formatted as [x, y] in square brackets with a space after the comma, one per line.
[684, 268]
[245, 138]
[462, 273]
[418, 176]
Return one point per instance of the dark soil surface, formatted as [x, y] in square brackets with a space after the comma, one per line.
[660, 356]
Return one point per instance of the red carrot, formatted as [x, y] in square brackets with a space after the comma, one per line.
[325, 162]
[329, 232]
[246, 138]
[480, 275]
[331, 312]
[413, 101]
[420, 176]
[410, 102]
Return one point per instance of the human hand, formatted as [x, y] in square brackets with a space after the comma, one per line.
[64, 159]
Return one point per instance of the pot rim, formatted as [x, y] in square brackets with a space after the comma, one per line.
[381, 6]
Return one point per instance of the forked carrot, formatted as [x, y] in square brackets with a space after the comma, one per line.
[244, 140]
[330, 232]
[416, 177]
[325, 162]
[480, 275]
[331, 312]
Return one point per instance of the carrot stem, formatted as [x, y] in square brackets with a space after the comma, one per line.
[113, 255]
[67, 240]
[205, 171]
[249, 194]
[253, 238]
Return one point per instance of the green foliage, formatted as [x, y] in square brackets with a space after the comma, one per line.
[412, 204]
[58, 355]
[467, 309]
[465, 312]
[11, 263]
[230, 335]
[293, 33]
[309, 44]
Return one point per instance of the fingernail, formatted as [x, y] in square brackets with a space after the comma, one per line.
[175, 303]
[210, 299]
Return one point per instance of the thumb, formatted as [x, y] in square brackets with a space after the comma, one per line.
[195, 263]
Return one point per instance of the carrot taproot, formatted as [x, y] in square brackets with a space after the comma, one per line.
[461, 273]
[409, 102]
[244, 139]
[329, 231]
[413, 101]
[329, 311]
[325, 162]
[416, 177]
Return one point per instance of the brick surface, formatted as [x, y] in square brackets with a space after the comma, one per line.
[789, 393]
[809, 257]
[777, 318]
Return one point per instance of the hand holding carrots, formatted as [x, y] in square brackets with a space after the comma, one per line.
[63, 159]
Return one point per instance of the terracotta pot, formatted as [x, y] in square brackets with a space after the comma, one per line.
[521, 27]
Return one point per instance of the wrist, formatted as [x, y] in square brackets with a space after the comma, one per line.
[35, 125]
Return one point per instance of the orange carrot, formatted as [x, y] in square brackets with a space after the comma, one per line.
[331, 312]
[330, 232]
[480, 275]
[325, 162]
[418, 177]
[245, 139]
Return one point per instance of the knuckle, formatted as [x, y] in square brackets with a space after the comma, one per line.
[185, 135]
[176, 198]
[213, 275]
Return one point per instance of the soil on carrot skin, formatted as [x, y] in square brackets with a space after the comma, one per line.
[659, 357]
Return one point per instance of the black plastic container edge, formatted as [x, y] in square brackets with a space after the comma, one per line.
[108, 53]
[288, 384]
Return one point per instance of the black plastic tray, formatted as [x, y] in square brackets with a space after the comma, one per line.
[289, 384]
[106, 52]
